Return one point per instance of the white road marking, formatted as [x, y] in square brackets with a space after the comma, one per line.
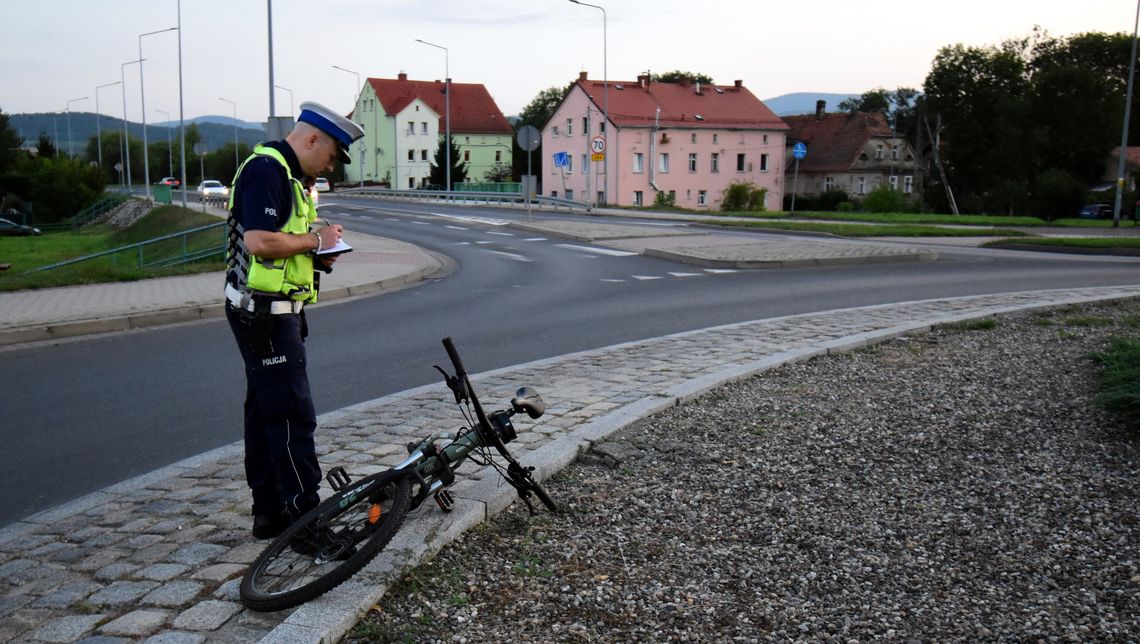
[646, 277]
[420, 223]
[535, 239]
[597, 251]
[514, 256]
[685, 274]
[717, 271]
[456, 227]
[491, 232]
[611, 280]
[491, 221]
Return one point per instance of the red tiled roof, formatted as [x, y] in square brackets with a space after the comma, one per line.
[719, 106]
[473, 111]
[834, 140]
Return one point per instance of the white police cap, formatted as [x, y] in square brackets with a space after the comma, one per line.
[342, 130]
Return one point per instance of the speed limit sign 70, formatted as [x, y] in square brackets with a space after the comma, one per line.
[598, 144]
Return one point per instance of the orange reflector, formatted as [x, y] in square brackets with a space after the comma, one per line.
[374, 513]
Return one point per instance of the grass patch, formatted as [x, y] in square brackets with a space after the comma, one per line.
[1089, 321]
[983, 324]
[26, 253]
[900, 218]
[1070, 242]
[1118, 381]
[865, 230]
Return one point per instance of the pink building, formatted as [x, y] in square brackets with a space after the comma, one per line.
[681, 139]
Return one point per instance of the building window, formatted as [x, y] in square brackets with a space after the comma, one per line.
[585, 125]
[693, 137]
[663, 162]
[570, 195]
[672, 196]
[828, 183]
[569, 165]
[894, 182]
[498, 156]
[601, 200]
[423, 127]
[638, 162]
[908, 184]
[637, 197]
[716, 161]
[702, 197]
[879, 151]
[423, 155]
[411, 183]
[692, 162]
[569, 127]
[765, 139]
[411, 155]
[467, 156]
[740, 162]
[895, 152]
[862, 185]
[716, 137]
[554, 130]
[411, 127]
[763, 163]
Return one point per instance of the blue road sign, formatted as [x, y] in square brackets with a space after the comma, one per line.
[799, 150]
[561, 159]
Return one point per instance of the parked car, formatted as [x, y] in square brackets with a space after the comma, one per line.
[169, 181]
[211, 188]
[1095, 211]
[9, 228]
[322, 185]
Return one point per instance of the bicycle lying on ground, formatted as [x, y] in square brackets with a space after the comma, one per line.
[332, 542]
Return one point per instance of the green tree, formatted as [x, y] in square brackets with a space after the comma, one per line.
[45, 149]
[536, 113]
[438, 175]
[676, 76]
[10, 144]
[62, 187]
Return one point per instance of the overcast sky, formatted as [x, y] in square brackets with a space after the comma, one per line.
[58, 50]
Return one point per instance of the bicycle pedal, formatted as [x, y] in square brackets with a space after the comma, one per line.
[445, 500]
[337, 478]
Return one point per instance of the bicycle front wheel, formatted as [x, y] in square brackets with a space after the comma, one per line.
[328, 545]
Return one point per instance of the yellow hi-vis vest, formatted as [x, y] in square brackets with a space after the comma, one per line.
[291, 276]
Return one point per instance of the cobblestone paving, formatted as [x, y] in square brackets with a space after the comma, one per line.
[160, 556]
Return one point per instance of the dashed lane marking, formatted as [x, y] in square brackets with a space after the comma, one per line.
[456, 227]
[515, 256]
[686, 274]
[597, 251]
[647, 277]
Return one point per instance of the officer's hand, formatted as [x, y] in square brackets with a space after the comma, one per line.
[330, 235]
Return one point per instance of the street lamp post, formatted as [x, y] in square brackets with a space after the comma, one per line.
[169, 146]
[235, 133]
[446, 109]
[605, 100]
[354, 99]
[70, 148]
[286, 89]
[1124, 134]
[126, 134]
[99, 132]
[142, 99]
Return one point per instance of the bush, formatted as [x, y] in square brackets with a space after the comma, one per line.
[743, 195]
[886, 199]
[1059, 194]
[665, 199]
[846, 206]
[62, 187]
[1119, 380]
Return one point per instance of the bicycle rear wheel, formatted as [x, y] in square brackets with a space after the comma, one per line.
[328, 545]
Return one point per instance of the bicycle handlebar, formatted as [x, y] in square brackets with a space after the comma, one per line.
[485, 428]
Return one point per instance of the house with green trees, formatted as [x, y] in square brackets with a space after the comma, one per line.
[404, 121]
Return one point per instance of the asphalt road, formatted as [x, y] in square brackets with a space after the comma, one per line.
[83, 414]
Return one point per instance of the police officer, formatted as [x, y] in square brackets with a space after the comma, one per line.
[271, 277]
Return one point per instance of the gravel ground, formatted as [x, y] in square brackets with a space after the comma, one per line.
[952, 486]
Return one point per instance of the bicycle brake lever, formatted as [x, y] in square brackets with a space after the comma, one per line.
[453, 383]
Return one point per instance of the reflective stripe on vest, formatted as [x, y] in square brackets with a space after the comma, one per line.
[292, 276]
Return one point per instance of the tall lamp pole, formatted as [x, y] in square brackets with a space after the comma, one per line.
[142, 99]
[181, 115]
[235, 133]
[286, 89]
[356, 89]
[446, 109]
[70, 149]
[169, 146]
[1124, 134]
[99, 132]
[126, 134]
[605, 99]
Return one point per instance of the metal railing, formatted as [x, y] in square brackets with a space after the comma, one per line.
[87, 215]
[498, 198]
[189, 246]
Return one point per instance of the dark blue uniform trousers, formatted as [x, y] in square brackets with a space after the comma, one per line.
[280, 456]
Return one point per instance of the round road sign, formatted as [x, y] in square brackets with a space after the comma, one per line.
[598, 144]
[529, 138]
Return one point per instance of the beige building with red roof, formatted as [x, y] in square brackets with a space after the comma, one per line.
[404, 119]
[685, 140]
[854, 152]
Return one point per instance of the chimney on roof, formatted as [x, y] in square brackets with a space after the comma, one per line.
[820, 108]
[698, 87]
[643, 80]
[738, 83]
[583, 76]
[402, 76]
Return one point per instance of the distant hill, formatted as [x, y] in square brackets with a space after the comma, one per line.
[215, 131]
[804, 102]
